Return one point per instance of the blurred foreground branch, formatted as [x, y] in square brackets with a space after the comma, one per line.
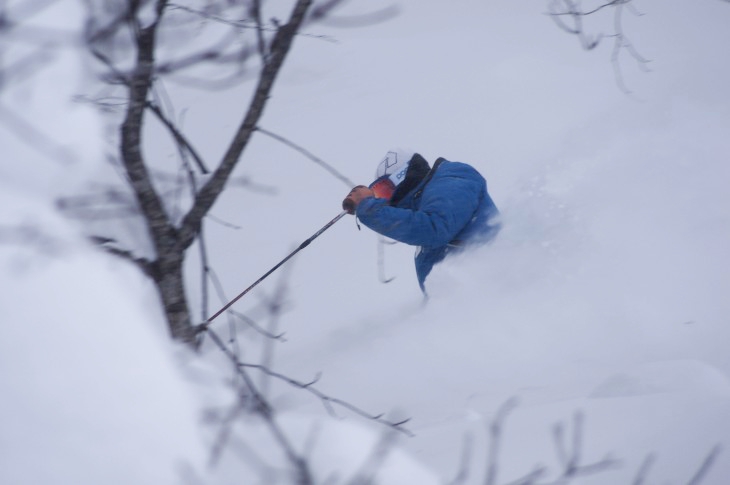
[568, 442]
[326, 400]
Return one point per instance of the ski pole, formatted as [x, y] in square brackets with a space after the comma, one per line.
[306, 243]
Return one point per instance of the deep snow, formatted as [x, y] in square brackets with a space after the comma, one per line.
[606, 292]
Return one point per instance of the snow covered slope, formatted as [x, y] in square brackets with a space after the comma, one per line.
[602, 305]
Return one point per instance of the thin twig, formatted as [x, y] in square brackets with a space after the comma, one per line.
[570, 454]
[705, 466]
[367, 473]
[225, 431]
[252, 323]
[211, 190]
[531, 478]
[463, 473]
[245, 23]
[264, 409]
[179, 137]
[560, 9]
[495, 433]
[309, 155]
[327, 401]
[260, 42]
[643, 471]
[143, 264]
[275, 306]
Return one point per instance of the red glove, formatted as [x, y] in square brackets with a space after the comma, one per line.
[354, 198]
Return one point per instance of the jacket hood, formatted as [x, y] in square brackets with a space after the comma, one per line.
[417, 170]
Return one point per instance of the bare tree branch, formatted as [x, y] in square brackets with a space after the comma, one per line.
[569, 453]
[235, 316]
[531, 478]
[274, 307]
[256, 23]
[144, 264]
[349, 183]
[327, 401]
[705, 466]
[225, 430]
[362, 20]
[463, 474]
[495, 433]
[568, 8]
[252, 323]
[179, 137]
[643, 471]
[264, 409]
[564, 11]
[162, 231]
[367, 474]
[260, 42]
[213, 188]
[215, 55]
[621, 43]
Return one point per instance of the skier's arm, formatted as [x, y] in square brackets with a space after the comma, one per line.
[447, 205]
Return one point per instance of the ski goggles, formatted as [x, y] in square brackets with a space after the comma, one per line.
[383, 187]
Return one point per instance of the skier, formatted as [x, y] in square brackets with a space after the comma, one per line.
[441, 209]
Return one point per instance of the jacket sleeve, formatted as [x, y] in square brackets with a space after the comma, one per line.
[447, 204]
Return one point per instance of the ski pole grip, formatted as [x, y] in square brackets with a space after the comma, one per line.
[349, 206]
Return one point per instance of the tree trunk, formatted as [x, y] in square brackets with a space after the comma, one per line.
[168, 278]
[171, 241]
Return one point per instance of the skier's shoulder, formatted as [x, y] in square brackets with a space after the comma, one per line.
[447, 168]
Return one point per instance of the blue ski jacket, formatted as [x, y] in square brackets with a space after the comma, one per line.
[447, 211]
